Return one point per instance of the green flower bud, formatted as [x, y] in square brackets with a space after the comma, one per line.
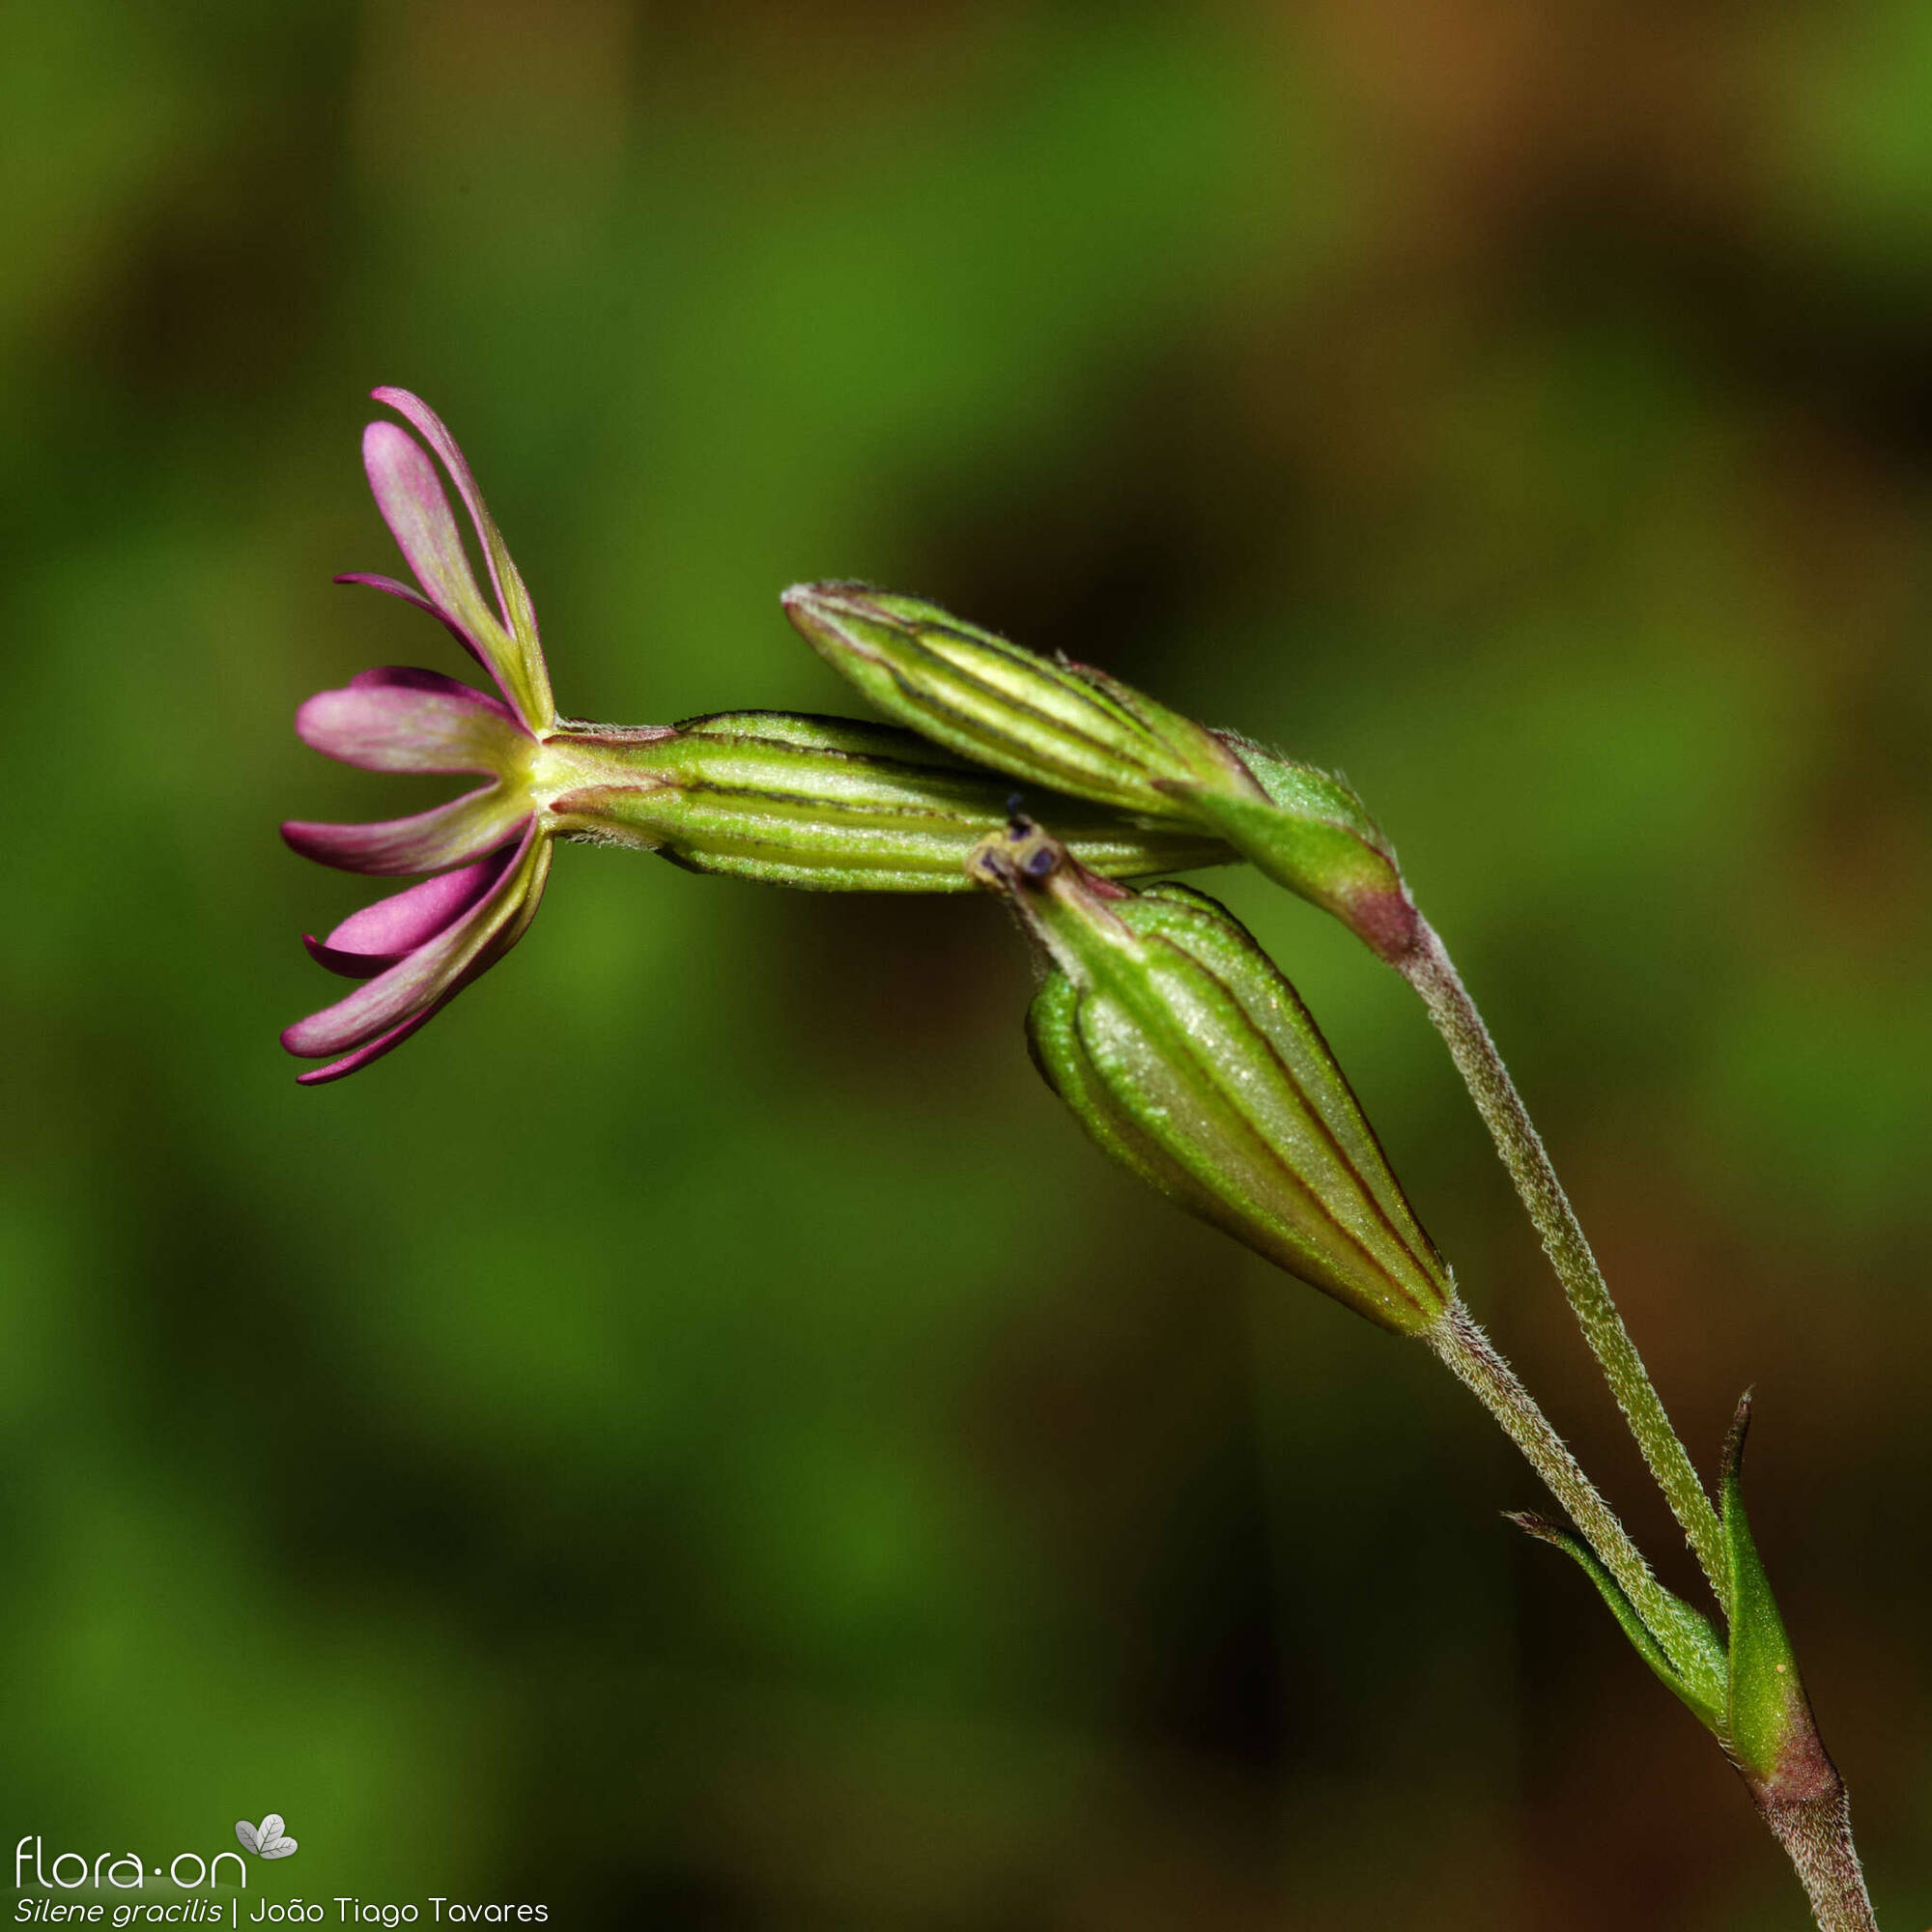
[1075, 729]
[1044, 721]
[813, 802]
[1187, 1057]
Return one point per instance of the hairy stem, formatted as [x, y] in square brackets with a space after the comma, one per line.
[1473, 1358]
[1816, 1834]
[1429, 969]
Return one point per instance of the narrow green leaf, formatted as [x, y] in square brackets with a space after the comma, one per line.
[1688, 1657]
[1769, 1718]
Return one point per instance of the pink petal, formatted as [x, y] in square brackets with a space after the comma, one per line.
[433, 970]
[347, 965]
[502, 571]
[370, 941]
[497, 945]
[411, 497]
[395, 728]
[428, 842]
[337, 1069]
[520, 667]
[411, 677]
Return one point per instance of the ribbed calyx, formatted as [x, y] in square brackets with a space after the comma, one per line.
[1054, 723]
[815, 802]
[1188, 1058]
[1041, 720]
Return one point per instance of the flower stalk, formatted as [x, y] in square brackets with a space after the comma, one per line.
[1689, 1648]
[1429, 969]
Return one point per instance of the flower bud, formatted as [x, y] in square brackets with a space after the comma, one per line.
[1190, 1060]
[1044, 721]
[1075, 729]
[813, 801]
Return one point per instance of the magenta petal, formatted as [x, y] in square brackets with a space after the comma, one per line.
[407, 919]
[411, 497]
[431, 427]
[428, 842]
[337, 1069]
[398, 727]
[350, 965]
[432, 970]
[389, 587]
[513, 601]
[411, 677]
[374, 939]
[519, 667]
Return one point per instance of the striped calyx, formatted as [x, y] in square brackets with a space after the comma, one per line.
[1049, 722]
[822, 803]
[1190, 1059]
[1040, 719]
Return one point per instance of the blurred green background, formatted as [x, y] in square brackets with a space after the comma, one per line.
[696, 1437]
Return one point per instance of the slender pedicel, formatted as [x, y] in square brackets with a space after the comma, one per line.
[1429, 969]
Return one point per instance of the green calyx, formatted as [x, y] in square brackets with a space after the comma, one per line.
[1040, 719]
[1312, 834]
[813, 801]
[1073, 728]
[1188, 1058]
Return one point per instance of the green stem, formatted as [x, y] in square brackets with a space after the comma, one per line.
[1473, 1358]
[1808, 1816]
[1429, 969]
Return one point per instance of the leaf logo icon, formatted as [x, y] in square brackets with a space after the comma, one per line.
[267, 1839]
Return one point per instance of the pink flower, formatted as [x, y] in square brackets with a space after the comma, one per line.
[486, 853]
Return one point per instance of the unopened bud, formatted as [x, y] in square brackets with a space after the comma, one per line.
[1190, 1059]
[1038, 718]
[814, 801]
[1081, 731]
